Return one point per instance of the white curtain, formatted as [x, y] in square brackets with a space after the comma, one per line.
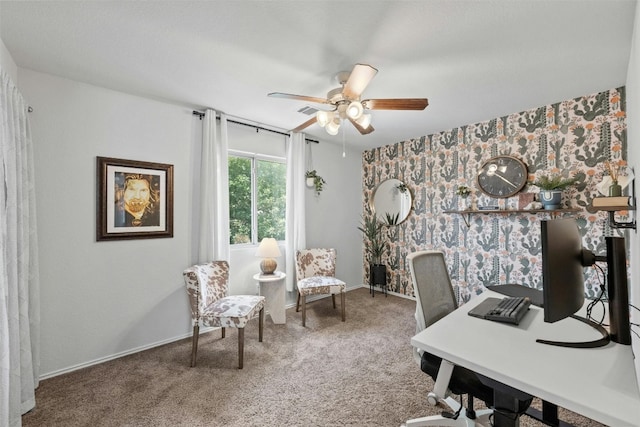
[214, 190]
[19, 280]
[295, 233]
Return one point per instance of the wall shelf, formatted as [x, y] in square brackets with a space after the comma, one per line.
[613, 209]
[466, 214]
[612, 215]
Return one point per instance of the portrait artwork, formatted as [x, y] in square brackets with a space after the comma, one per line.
[135, 199]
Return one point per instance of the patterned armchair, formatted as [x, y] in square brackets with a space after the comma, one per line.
[207, 286]
[315, 274]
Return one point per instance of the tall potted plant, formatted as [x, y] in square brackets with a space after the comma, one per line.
[375, 247]
[551, 188]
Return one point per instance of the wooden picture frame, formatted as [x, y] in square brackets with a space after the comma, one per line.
[135, 199]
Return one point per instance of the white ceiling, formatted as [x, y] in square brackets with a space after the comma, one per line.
[473, 59]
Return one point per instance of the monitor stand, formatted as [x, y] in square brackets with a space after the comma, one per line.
[601, 342]
[535, 295]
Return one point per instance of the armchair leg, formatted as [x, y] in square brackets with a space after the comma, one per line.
[194, 344]
[303, 299]
[298, 303]
[333, 298]
[342, 305]
[223, 332]
[240, 347]
[260, 324]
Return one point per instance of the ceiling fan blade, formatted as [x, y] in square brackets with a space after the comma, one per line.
[358, 80]
[363, 131]
[305, 125]
[298, 97]
[396, 104]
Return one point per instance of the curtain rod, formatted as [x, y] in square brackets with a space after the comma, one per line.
[201, 115]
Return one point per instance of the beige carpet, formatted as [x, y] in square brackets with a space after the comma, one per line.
[357, 373]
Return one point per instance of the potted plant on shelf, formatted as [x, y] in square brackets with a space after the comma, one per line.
[314, 180]
[375, 247]
[551, 188]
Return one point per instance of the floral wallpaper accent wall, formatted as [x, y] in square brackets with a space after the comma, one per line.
[573, 137]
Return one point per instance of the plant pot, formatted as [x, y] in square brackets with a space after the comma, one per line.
[551, 199]
[310, 182]
[377, 274]
[463, 203]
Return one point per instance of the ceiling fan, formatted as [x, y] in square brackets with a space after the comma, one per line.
[347, 104]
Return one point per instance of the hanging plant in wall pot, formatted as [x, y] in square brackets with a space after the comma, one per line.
[315, 181]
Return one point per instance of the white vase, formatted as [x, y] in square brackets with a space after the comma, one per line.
[463, 203]
[309, 182]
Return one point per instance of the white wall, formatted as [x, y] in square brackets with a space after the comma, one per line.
[340, 202]
[99, 299]
[633, 138]
[104, 299]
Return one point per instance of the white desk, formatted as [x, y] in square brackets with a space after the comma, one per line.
[272, 288]
[597, 383]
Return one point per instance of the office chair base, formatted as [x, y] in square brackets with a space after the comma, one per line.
[432, 398]
[481, 416]
[482, 419]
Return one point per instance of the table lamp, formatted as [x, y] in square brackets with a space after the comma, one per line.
[268, 250]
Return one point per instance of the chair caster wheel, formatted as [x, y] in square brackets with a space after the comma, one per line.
[432, 398]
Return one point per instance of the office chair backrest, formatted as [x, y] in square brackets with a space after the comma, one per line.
[432, 286]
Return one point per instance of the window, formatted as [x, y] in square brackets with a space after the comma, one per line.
[257, 197]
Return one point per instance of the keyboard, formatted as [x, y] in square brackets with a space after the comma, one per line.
[508, 310]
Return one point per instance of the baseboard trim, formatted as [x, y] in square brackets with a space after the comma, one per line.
[379, 290]
[120, 354]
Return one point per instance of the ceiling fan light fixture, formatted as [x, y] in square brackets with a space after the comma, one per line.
[333, 127]
[364, 121]
[345, 103]
[355, 110]
[324, 117]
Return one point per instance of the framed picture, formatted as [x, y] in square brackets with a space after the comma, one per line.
[135, 199]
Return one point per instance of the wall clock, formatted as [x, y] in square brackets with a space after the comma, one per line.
[502, 176]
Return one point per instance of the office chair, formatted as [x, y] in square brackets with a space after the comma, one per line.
[434, 300]
[315, 274]
[208, 289]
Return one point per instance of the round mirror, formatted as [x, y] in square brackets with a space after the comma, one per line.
[391, 202]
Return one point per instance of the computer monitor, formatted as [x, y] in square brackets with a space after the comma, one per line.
[563, 262]
[562, 269]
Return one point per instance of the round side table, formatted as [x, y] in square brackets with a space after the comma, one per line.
[272, 287]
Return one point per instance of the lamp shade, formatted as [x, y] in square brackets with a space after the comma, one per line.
[333, 127]
[364, 120]
[268, 248]
[355, 110]
[324, 117]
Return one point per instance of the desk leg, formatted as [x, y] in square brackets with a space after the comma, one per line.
[548, 415]
[274, 294]
[506, 409]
